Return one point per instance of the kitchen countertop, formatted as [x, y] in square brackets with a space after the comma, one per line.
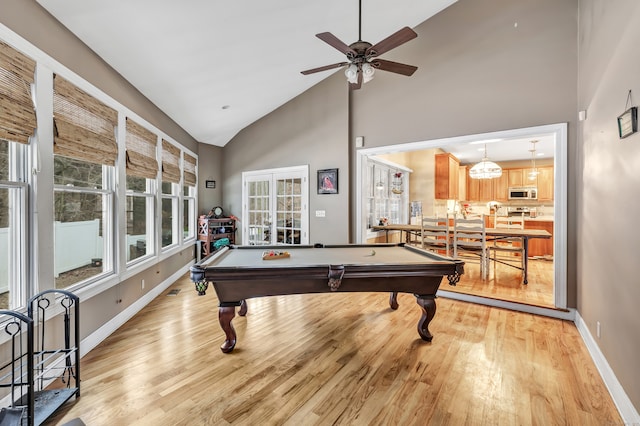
[548, 218]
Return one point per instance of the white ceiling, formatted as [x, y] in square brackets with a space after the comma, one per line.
[505, 149]
[193, 58]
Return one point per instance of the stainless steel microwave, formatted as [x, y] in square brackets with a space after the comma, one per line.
[523, 193]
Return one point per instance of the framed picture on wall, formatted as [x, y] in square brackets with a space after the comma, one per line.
[328, 181]
[628, 122]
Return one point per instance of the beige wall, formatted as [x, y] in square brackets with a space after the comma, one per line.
[422, 178]
[30, 21]
[608, 185]
[209, 168]
[478, 72]
[37, 26]
[312, 130]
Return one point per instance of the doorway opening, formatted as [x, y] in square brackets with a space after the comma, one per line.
[547, 287]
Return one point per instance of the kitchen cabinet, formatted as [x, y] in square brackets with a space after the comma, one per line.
[545, 183]
[462, 183]
[447, 176]
[515, 177]
[501, 187]
[479, 189]
[473, 189]
[540, 246]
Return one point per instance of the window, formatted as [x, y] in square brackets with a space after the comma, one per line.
[170, 196]
[189, 196]
[386, 193]
[85, 153]
[142, 172]
[12, 227]
[17, 125]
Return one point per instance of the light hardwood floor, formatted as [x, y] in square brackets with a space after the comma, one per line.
[505, 283]
[343, 359]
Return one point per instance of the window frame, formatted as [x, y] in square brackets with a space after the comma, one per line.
[17, 261]
[108, 227]
[150, 196]
[174, 196]
[38, 194]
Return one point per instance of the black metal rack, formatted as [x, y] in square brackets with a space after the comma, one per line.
[41, 378]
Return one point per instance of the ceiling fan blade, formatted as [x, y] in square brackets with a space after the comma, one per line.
[324, 68]
[395, 67]
[394, 40]
[335, 42]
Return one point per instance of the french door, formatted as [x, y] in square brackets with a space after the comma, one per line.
[274, 206]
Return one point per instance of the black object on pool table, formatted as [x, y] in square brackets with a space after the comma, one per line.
[239, 273]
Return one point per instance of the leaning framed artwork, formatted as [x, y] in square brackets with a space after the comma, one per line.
[328, 181]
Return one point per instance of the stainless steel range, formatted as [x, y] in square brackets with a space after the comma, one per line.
[523, 210]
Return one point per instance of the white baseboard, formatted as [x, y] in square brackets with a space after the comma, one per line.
[625, 407]
[95, 338]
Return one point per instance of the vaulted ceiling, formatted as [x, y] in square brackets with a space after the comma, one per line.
[215, 67]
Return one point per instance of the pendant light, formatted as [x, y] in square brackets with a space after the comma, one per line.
[485, 169]
[533, 174]
[380, 182]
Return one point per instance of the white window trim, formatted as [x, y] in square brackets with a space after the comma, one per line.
[39, 156]
[559, 131]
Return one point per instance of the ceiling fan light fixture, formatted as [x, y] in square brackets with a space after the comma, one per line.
[360, 53]
[367, 72]
[352, 73]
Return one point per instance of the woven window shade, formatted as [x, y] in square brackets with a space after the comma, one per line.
[141, 151]
[189, 172]
[84, 127]
[17, 115]
[170, 163]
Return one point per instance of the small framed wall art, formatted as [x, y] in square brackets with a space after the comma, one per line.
[628, 122]
[328, 181]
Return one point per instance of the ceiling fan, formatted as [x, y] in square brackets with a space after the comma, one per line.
[362, 56]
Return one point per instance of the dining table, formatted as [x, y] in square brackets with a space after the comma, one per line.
[492, 234]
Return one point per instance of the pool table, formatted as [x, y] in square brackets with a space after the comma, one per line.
[239, 273]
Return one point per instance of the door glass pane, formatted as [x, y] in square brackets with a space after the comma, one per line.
[259, 226]
[288, 203]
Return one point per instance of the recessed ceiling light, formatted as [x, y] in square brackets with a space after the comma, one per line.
[484, 141]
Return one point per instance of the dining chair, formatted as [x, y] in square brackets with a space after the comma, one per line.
[434, 233]
[510, 248]
[470, 241]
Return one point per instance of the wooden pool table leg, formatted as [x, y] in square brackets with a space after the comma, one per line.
[393, 300]
[225, 315]
[243, 308]
[428, 306]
